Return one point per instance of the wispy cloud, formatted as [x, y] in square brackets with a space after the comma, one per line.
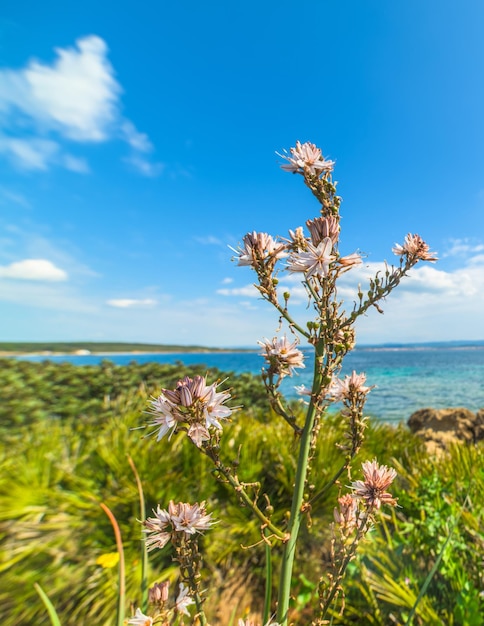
[16, 198]
[76, 98]
[210, 240]
[126, 303]
[33, 269]
[247, 291]
[463, 248]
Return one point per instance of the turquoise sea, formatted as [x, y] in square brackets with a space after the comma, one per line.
[407, 378]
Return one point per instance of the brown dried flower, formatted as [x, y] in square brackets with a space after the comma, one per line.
[415, 248]
[372, 490]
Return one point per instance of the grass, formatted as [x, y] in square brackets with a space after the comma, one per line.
[68, 433]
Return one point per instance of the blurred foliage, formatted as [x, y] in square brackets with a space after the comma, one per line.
[67, 432]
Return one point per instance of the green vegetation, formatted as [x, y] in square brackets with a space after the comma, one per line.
[67, 433]
[21, 347]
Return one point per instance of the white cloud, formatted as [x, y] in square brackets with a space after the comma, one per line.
[138, 141]
[463, 247]
[33, 269]
[248, 291]
[75, 164]
[40, 154]
[210, 240]
[125, 303]
[16, 198]
[76, 95]
[77, 98]
[144, 166]
[30, 154]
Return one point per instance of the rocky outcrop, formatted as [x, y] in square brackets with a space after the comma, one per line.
[441, 427]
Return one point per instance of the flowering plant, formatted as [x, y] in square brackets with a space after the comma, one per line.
[198, 409]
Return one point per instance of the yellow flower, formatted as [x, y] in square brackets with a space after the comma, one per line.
[110, 559]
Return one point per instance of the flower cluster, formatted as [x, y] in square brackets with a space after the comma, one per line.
[415, 248]
[258, 248]
[372, 490]
[180, 519]
[140, 619]
[314, 260]
[349, 387]
[346, 514]
[182, 602]
[308, 158]
[322, 227]
[282, 356]
[192, 402]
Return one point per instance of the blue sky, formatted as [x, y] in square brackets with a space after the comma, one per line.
[138, 141]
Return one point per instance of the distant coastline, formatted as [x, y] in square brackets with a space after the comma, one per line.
[51, 348]
[82, 348]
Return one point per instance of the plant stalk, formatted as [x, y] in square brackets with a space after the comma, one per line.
[296, 515]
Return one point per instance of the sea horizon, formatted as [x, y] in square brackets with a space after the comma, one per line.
[404, 377]
[181, 349]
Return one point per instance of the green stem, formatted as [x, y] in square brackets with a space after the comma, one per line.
[244, 496]
[200, 613]
[298, 495]
[362, 529]
[268, 577]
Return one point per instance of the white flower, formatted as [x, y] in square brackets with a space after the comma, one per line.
[156, 527]
[190, 519]
[214, 406]
[198, 434]
[259, 247]
[414, 247]
[164, 412]
[282, 356]
[344, 389]
[183, 600]
[314, 260]
[308, 157]
[140, 619]
[302, 390]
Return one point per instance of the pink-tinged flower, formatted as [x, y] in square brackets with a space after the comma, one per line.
[314, 260]
[345, 515]
[323, 227]
[158, 529]
[297, 241]
[372, 490]
[214, 408]
[282, 356]
[165, 419]
[183, 600]
[347, 388]
[198, 434]
[191, 519]
[140, 619]
[350, 260]
[158, 594]
[179, 518]
[193, 402]
[306, 157]
[302, 390]
[415, 248]
[187, 391]
[259, 247]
